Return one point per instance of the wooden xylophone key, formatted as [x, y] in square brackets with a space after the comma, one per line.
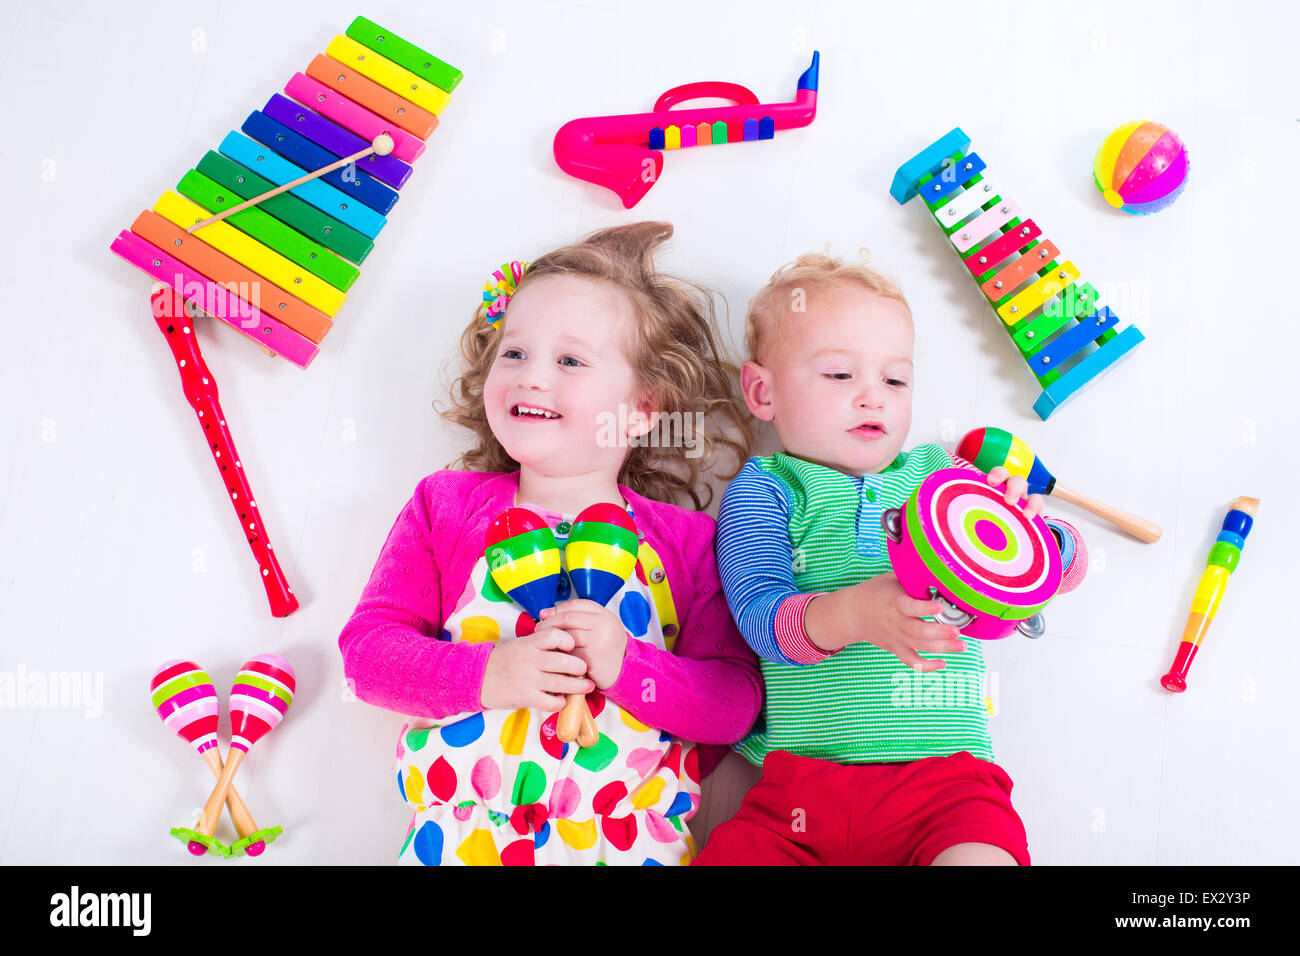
[352, 116]
[215, 300]
[266, 262]
[340, 142]
[323, 196]
[1019, 271]
[1048, 361]
[969, 200]
[956, 173]
[306, 155]
[1024, 303]
[1077, 302]
[970, 234]
[405, 54]
[302, 216]
[232, 274]
[268, 230]
[983, 260]
[423, 93]
[384, 103]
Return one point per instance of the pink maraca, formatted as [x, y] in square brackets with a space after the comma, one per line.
[187, 702]
[262, 692]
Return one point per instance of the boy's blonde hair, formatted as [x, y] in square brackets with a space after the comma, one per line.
[673, 350]
[813, 272]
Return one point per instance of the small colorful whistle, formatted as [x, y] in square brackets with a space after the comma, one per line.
[1223, 559]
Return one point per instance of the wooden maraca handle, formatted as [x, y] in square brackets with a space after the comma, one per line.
[576, 723]
[244, 823]
[212, 809]
[1139, 528]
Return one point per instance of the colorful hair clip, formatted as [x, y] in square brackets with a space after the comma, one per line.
[498, 289]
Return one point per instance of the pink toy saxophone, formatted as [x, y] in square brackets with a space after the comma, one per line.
[622, 153]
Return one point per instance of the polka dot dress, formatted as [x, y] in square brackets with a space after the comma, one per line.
[499, 788]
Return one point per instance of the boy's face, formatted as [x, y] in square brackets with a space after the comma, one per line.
[838, 383]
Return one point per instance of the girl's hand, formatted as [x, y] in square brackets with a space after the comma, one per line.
[599, 637]
[878, 611]
[1016, 488]
[534, 671]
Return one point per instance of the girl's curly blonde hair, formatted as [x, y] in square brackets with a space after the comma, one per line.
[673, 350]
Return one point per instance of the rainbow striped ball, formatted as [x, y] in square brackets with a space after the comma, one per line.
[1141, 167]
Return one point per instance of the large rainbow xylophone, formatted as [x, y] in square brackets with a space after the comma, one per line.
[622, 153]
[279, 272]
[1051, 313]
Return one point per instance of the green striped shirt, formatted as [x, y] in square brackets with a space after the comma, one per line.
[861, 705]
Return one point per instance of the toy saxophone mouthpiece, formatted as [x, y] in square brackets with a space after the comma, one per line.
[624, 153]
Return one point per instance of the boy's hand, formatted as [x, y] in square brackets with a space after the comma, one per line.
[534, 671]
[599, 637]
[1016, 488]
[878, 611]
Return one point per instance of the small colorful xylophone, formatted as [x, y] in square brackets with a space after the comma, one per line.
[1051, 313]
[279, 271]
[623, 153]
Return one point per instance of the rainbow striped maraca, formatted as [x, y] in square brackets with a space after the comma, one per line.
[601, 555]
[601, 552]
[262, 692]
[987, 448]
[523, 558]
[187, 702]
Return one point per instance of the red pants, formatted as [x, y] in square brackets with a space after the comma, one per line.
[806, 812]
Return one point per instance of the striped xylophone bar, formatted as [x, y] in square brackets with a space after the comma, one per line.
[1050, 312]
[280, 271]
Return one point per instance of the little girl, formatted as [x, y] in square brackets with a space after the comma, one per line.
[562, 390]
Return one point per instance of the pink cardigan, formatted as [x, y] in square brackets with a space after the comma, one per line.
[707, 690]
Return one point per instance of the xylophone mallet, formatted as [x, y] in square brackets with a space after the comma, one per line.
[1224, 555]
[988, 447]
[187, 702]
[382, 145]
[262, 692]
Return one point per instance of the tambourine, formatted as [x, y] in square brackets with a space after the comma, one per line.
[958, 541]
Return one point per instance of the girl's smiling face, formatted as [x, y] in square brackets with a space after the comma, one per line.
[561, 371]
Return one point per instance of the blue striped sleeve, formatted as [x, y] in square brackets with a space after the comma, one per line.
[754, 556]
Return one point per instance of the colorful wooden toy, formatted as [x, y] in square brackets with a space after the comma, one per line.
[622, 153]
[992, 568]
[601, 554]
[987, 448]
[1224, 556]
[262, 693]
[1050, 312]
[523, 558]
[267, 235]
[186, 700]
[524, 561]
[1141, 167]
